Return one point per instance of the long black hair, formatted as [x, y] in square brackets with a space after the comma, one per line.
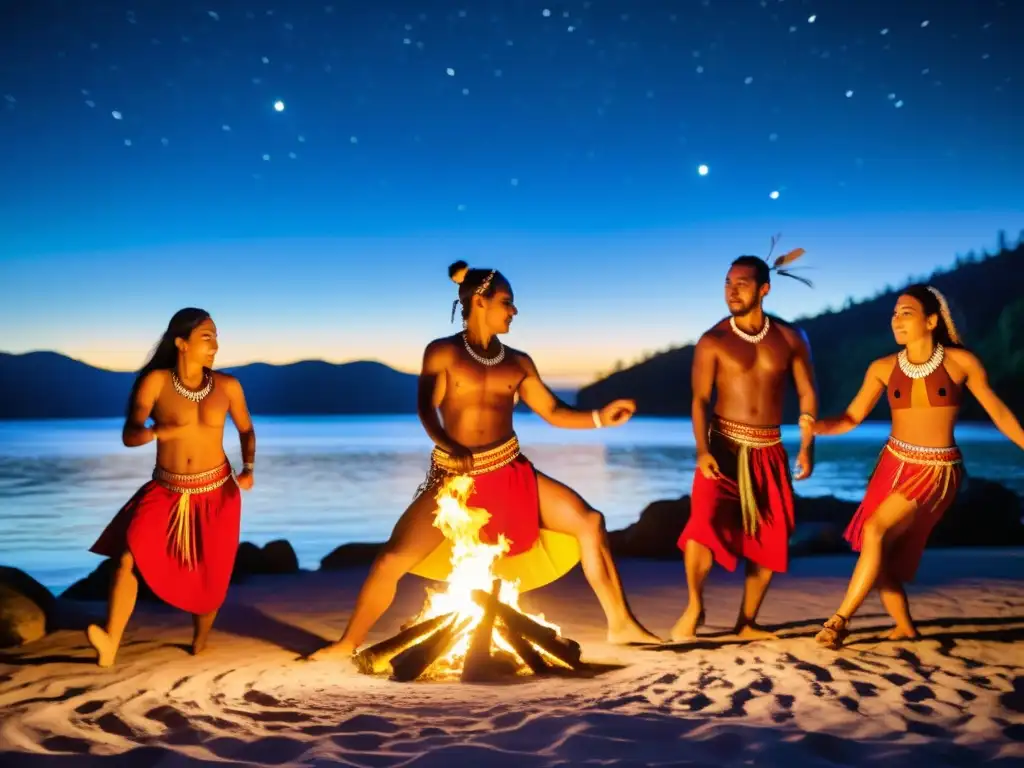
[473, 282]
[165, 354]
[934, 303]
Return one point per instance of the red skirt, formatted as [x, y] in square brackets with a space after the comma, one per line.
[182, 531]
[929, 476]
[749, 512]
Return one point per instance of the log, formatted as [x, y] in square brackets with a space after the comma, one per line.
[566, 651]
[375, 660]
[476, 666]
[413, 661]
[524, 650]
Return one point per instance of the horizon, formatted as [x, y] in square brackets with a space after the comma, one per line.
[307, 176]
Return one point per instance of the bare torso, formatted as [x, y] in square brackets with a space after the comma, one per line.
[930, 427]
[750, 379]
[477, 401]
[197, 444]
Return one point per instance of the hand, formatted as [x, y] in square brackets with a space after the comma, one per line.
[804, 464]
[708, 466]
[245, 479]
[617, 412]
[463, 458]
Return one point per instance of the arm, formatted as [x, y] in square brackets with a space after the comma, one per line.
[144, 395]
[542, 401]
[803, 378]
[862, 403]
[239, 412]
[702, 382]
[430, 393]
[977, 383]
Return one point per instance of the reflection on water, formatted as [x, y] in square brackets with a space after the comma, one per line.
[323, 481]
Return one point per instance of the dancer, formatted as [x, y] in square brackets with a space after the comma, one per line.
[474, 380]
[920, 468]
[180, 530]
[741, 505]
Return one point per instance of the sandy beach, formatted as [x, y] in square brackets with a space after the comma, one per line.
[954, 698]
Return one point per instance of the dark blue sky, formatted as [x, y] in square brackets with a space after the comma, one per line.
[147, 168]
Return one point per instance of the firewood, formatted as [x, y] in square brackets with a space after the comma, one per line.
[475, 666]
[566, 651]
[413, 661]
[523, 649]
[375, 659]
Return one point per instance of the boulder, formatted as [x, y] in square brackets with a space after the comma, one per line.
[26, 608]
[274, 557]
[357, 554]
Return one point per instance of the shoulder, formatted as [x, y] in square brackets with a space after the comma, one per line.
[153, 382]
[793, 334]
[443, 347]
[712, 338]
[521, 359]
[881, 367]
[963, 359]
[225, 381]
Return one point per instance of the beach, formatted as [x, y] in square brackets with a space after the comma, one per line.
[955, 697]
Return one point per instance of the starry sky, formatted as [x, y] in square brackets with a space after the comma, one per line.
[306, 172]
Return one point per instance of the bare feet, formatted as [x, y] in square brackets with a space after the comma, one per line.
[630, 633]
[199, 642]
[686, 627]
[340, 650]
[752, 631]
[103, 644]
[903, 633]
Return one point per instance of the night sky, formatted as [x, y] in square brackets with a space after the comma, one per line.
[306, 172]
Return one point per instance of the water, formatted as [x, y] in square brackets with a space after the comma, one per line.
[325, 481]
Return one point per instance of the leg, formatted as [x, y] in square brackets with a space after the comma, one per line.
[202, 623]
[894, 600]
[413, 538]
[755, 587]
[124, 588]
[563, 510]
[892, 517]
[698, 560]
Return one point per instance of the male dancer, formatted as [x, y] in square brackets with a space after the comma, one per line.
[180, 530]
[473, 380]
[742, 500]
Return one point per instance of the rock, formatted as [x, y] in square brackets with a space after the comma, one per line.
[655, 532]
[279, 557]
[96, 586]
[350, 556]
[985, 514]
[21, 582]
[21, 620]
[817, 539]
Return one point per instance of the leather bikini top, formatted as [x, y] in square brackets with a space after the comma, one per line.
[936, 390]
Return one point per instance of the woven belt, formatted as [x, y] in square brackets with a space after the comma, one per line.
[180, 532]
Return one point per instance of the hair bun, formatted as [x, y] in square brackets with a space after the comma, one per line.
[457, 271]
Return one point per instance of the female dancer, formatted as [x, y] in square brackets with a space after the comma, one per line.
[180, 530]
[920, 467]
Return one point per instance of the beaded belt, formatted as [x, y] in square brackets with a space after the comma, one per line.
[443, 464]
[919, 454]
[939, 463]
[180, 534]
[746, 437]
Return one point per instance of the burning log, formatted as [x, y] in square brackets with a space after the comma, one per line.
[566, 651]
[524, 650]
[376, 659]
[413, 661]
[477, 666]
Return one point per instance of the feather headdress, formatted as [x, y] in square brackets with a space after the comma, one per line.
[784, 259]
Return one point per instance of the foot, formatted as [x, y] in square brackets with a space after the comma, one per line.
[199, 643]
[103, 644]
[752, 631]
[686, 627]
[335, 651]
[833, 632]
[903, 633]
[631, 633]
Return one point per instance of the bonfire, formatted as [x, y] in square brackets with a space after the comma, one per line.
[473, 628]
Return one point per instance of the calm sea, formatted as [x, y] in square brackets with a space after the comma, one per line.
[324, 481]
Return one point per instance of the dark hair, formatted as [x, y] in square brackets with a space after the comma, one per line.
[934, 303]
[471, 281]
[762, 272]
[165, 354]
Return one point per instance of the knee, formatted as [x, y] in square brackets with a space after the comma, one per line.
[874, 532]
[593, 526]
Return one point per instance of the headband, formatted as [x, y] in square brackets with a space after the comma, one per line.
[460, 275]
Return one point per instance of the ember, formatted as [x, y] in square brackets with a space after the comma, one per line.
[473, 629]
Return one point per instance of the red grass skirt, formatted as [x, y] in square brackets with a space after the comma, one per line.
[929, 476]
[182, 531]
[749, 512]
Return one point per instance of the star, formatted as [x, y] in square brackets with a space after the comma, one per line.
[279, 106]
[702, 170]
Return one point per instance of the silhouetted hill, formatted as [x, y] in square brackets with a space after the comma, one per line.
[47, 385]
[986, 300]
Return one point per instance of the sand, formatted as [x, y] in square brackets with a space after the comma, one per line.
[953, 698]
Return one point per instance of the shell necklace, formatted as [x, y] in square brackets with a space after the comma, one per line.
[195, 395]
[921, 370]
[758, 337]
[488, 361]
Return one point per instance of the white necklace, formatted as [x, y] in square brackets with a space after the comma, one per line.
[195, 395]
[488, 361]
[921, 370]
[746, 336]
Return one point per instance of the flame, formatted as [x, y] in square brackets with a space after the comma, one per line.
[472, 568]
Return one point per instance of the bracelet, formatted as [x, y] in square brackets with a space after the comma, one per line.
[249, 466]
[806, 418]
[597, 419]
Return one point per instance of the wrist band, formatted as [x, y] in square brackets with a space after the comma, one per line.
[597, 419]
[249, 466]
[806, 418]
